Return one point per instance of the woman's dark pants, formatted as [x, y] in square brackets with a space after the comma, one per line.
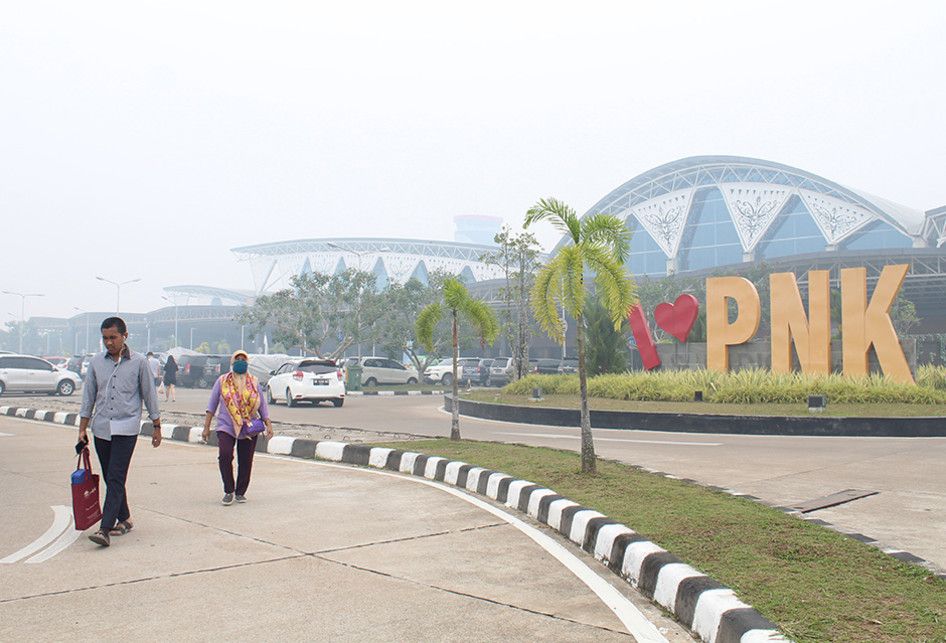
[245, 450]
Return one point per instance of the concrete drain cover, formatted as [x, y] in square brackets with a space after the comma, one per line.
[833, 500]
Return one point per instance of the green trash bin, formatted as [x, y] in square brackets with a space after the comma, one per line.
[353, 382]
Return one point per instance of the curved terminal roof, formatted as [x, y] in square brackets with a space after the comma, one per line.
[756, 193]
[390, 259]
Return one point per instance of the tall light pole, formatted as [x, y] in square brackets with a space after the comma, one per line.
[86, 314]
[22, 296]
[177, 339]
[118, 290]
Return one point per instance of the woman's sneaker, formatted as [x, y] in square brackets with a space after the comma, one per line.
[240, 498]
[227, 499]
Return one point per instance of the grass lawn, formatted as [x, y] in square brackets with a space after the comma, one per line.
[814, 583]
[604, 404]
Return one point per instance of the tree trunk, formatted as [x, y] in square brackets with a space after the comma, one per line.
[455, 419]
[588, 458]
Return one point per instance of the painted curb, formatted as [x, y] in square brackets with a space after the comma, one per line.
[709, 609]
[895, 427]
[392, 393]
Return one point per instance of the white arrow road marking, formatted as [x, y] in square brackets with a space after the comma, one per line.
[597, 439]
[67, 538]
[60, 523]
[6, 435]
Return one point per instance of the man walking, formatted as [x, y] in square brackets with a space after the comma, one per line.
[155, 365]
[116, 384]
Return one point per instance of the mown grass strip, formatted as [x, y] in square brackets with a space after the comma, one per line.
[567, 401]
[816, 584]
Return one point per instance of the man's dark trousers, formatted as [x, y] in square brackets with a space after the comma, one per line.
[115, 456]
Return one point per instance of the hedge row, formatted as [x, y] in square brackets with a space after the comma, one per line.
[748, 386]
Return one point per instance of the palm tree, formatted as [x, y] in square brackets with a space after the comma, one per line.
[461, 305]
[600, 244]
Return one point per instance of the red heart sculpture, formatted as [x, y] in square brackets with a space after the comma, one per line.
[678, 318]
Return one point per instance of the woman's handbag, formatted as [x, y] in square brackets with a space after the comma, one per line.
[85, 493]
[255, 427]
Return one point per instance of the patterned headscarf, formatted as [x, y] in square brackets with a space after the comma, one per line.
[242, 408]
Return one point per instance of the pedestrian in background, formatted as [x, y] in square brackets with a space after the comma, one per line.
[237, 402]
[116, 384]
[170, 378]
[155, 365]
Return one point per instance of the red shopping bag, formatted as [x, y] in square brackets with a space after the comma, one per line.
[85, 494]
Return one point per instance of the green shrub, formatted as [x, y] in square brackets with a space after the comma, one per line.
[751, 386]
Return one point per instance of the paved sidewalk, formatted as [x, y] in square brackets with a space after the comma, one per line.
[318, 552]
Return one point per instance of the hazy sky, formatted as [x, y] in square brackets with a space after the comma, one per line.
[146, 139]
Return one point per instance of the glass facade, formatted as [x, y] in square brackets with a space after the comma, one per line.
[876, 235]
[793, 233]
[646, 257]
[709, 238]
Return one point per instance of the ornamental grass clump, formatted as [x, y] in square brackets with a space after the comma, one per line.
[750, 386]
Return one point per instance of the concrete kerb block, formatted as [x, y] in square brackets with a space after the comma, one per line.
[452, 472]
[604, 543]
[535, 500]
[579, 523]
[492, 484]
[710, 607]
[634, 557]
[430, 468]
[194, 434]
[21, 413]
[379, 457]
[59, 418]
[333, 451]
[406, 465]
[280, 445]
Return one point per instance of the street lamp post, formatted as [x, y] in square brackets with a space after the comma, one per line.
[176, 337]
[192, 338]
[118, 290]
[22, 296]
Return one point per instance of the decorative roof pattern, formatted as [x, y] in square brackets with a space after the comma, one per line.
[756, 192]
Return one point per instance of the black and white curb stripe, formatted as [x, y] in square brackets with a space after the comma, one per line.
[711, 610]
[389, 393]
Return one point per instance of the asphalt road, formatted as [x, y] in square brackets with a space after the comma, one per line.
[908, 514]
[320, 552]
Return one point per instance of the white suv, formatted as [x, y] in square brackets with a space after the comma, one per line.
[381, 370]
[309, 380]
[25, 373]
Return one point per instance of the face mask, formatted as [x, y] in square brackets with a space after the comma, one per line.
[240, 366]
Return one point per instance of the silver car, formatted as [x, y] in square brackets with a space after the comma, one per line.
[28, 374]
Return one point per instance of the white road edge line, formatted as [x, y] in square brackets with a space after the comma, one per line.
[636, 623]
[61, 517]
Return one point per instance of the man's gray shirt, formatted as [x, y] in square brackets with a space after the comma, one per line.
[115, 392]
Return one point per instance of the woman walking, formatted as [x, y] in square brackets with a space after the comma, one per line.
[170, 378]
[242, 414]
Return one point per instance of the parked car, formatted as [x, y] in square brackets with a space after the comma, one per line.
[475, 370]
[501, 371]
[381, 370]
[568, 366]
[436, 372]
[308, 380]
[28, 374]
[57, 361]
[216, 366]
[190, 371]
[544, 366]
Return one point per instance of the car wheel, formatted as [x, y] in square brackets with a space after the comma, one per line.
[3, 388]
[66, 388]
[447, 379]
[289, 401]
[412, 380]
[338, 401]
[371, 382]
[202, 383]
[269, 396]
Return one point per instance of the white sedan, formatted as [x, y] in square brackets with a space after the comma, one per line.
[308, 380]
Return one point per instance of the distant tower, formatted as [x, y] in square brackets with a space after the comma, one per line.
[475, 228]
